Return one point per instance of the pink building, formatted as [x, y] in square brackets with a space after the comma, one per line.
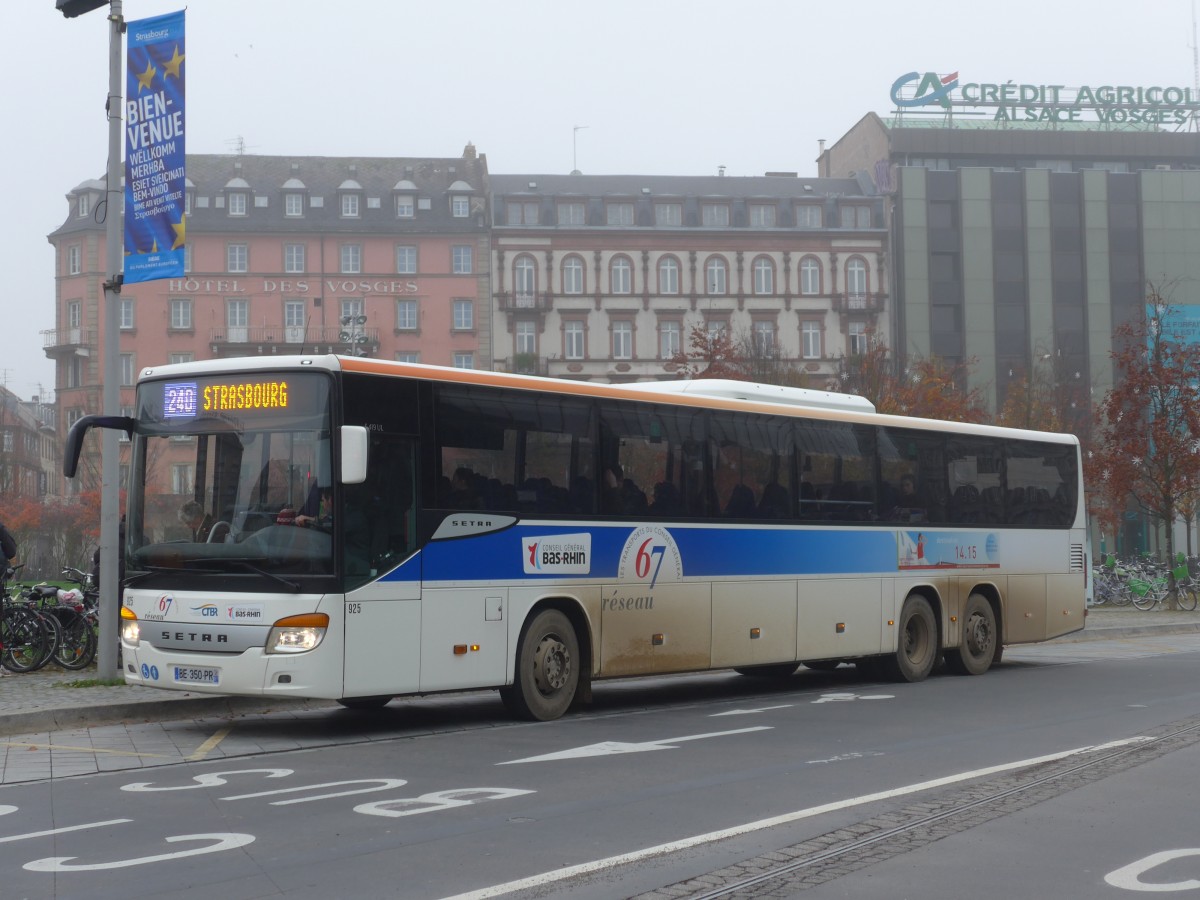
[385, 257]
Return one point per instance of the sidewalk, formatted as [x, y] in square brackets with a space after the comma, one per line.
[49, 701]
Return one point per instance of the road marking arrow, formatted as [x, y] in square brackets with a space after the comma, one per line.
[613, 748]
[746, 712]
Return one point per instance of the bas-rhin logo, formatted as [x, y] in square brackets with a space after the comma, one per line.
[562, 554]
[931, 88]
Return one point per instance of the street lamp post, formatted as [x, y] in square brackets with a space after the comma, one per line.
[110, 600]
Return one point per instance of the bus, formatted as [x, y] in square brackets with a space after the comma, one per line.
[357, 529]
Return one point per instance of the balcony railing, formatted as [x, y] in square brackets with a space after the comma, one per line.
[67, 338]
[524, 301]
[858, 302]
[235, 340]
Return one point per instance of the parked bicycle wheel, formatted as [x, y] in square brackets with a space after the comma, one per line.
[77, 648]
[1187, 597]
[23, 638]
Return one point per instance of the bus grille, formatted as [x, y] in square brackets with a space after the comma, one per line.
[1078, 558]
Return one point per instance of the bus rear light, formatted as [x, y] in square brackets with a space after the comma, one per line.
[461, 649]
[131, 630]
[297, 634]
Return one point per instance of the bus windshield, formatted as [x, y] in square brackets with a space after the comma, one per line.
[233, 474]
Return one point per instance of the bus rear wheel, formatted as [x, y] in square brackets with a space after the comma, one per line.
[977, 647]
[917, 644]
[547, 672]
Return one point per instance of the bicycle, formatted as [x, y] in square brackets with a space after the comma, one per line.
[23, 638]
[79, 617]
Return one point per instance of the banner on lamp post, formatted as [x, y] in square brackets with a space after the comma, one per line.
[154, 149]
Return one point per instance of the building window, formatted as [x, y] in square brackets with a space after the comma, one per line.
[128, 374]
[858, 338]
[182, 482]
[668, 275]
[668, 215]
[406, 315]
[408, 356]
[525, 281]
[237, 203]
[349, 206]
[669, 335]
[622, 340]
[572, 275]
[74, 313]
[764, 276]
[293, 205]
[351, 258]
[462, 260]
[293, 321]
[404, 206]
[714, 215]
[181, 314]
[237, 320]
[810, 276]
[573, 339]
[237, 258]
[521, 212]
[716, 276]
[352, 308]
[621, 281]
[293, 258]
[178, 358]
[464, 315]
[74, 260]
[406, 260]
[808, 215]
[460, 206]
[717, 327]
[464, 360]
[570, 214]
[856, 282]
[74, 373]
[83, 206]
[526, 337]
[856, 216]
[762, 215]
[618, 214]
[810, 340]
[187, 202]
[764, 337]
[126, 313]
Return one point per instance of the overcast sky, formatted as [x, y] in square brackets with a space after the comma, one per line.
[664, 87]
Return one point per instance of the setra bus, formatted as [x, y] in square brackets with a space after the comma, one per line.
[357, 529]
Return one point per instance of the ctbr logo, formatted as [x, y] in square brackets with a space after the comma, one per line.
[931, 88]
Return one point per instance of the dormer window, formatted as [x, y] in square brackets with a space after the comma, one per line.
[293, 204]
[405, 207]
[460, 207]
[237, 203]
[349, 206]
[83, 205]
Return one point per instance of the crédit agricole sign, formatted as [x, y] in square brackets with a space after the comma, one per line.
[1107, 103]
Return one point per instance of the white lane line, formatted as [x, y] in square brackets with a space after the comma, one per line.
[545, 878]
[64, 830]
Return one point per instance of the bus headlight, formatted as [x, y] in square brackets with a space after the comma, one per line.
[297, 634]
[131, 629]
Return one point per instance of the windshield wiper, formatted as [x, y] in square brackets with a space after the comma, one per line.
[293, 586]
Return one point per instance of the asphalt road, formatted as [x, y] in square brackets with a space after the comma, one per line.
[1049, 776]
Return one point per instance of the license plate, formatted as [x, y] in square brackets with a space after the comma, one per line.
[197, 674]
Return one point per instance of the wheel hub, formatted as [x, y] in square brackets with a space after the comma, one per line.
[551, 665]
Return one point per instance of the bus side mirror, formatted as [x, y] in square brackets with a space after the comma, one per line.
[354, 454]
[79, 431]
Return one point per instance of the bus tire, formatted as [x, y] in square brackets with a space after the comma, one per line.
[774, 670]
[977, 647]
[547, 670]
[365, 702]
[917, 642]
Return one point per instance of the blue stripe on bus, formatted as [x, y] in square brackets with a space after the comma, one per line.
[704, 552]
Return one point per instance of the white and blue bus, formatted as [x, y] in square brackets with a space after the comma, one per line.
[356, 529]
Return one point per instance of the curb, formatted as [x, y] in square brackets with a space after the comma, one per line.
[1116, 632]
[143, 711]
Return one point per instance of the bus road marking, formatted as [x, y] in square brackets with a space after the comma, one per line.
[612, 862]
[847, 697]
[224, 841]
[747, 712]
[612, 748]
[208, 746]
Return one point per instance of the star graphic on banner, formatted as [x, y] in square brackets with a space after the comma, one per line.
[154, 246]
[171, 67]
[180, 230]
[146, 79]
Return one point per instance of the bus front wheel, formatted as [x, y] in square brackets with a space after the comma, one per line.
[917, 642]
[547, 672]
[977, 648]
